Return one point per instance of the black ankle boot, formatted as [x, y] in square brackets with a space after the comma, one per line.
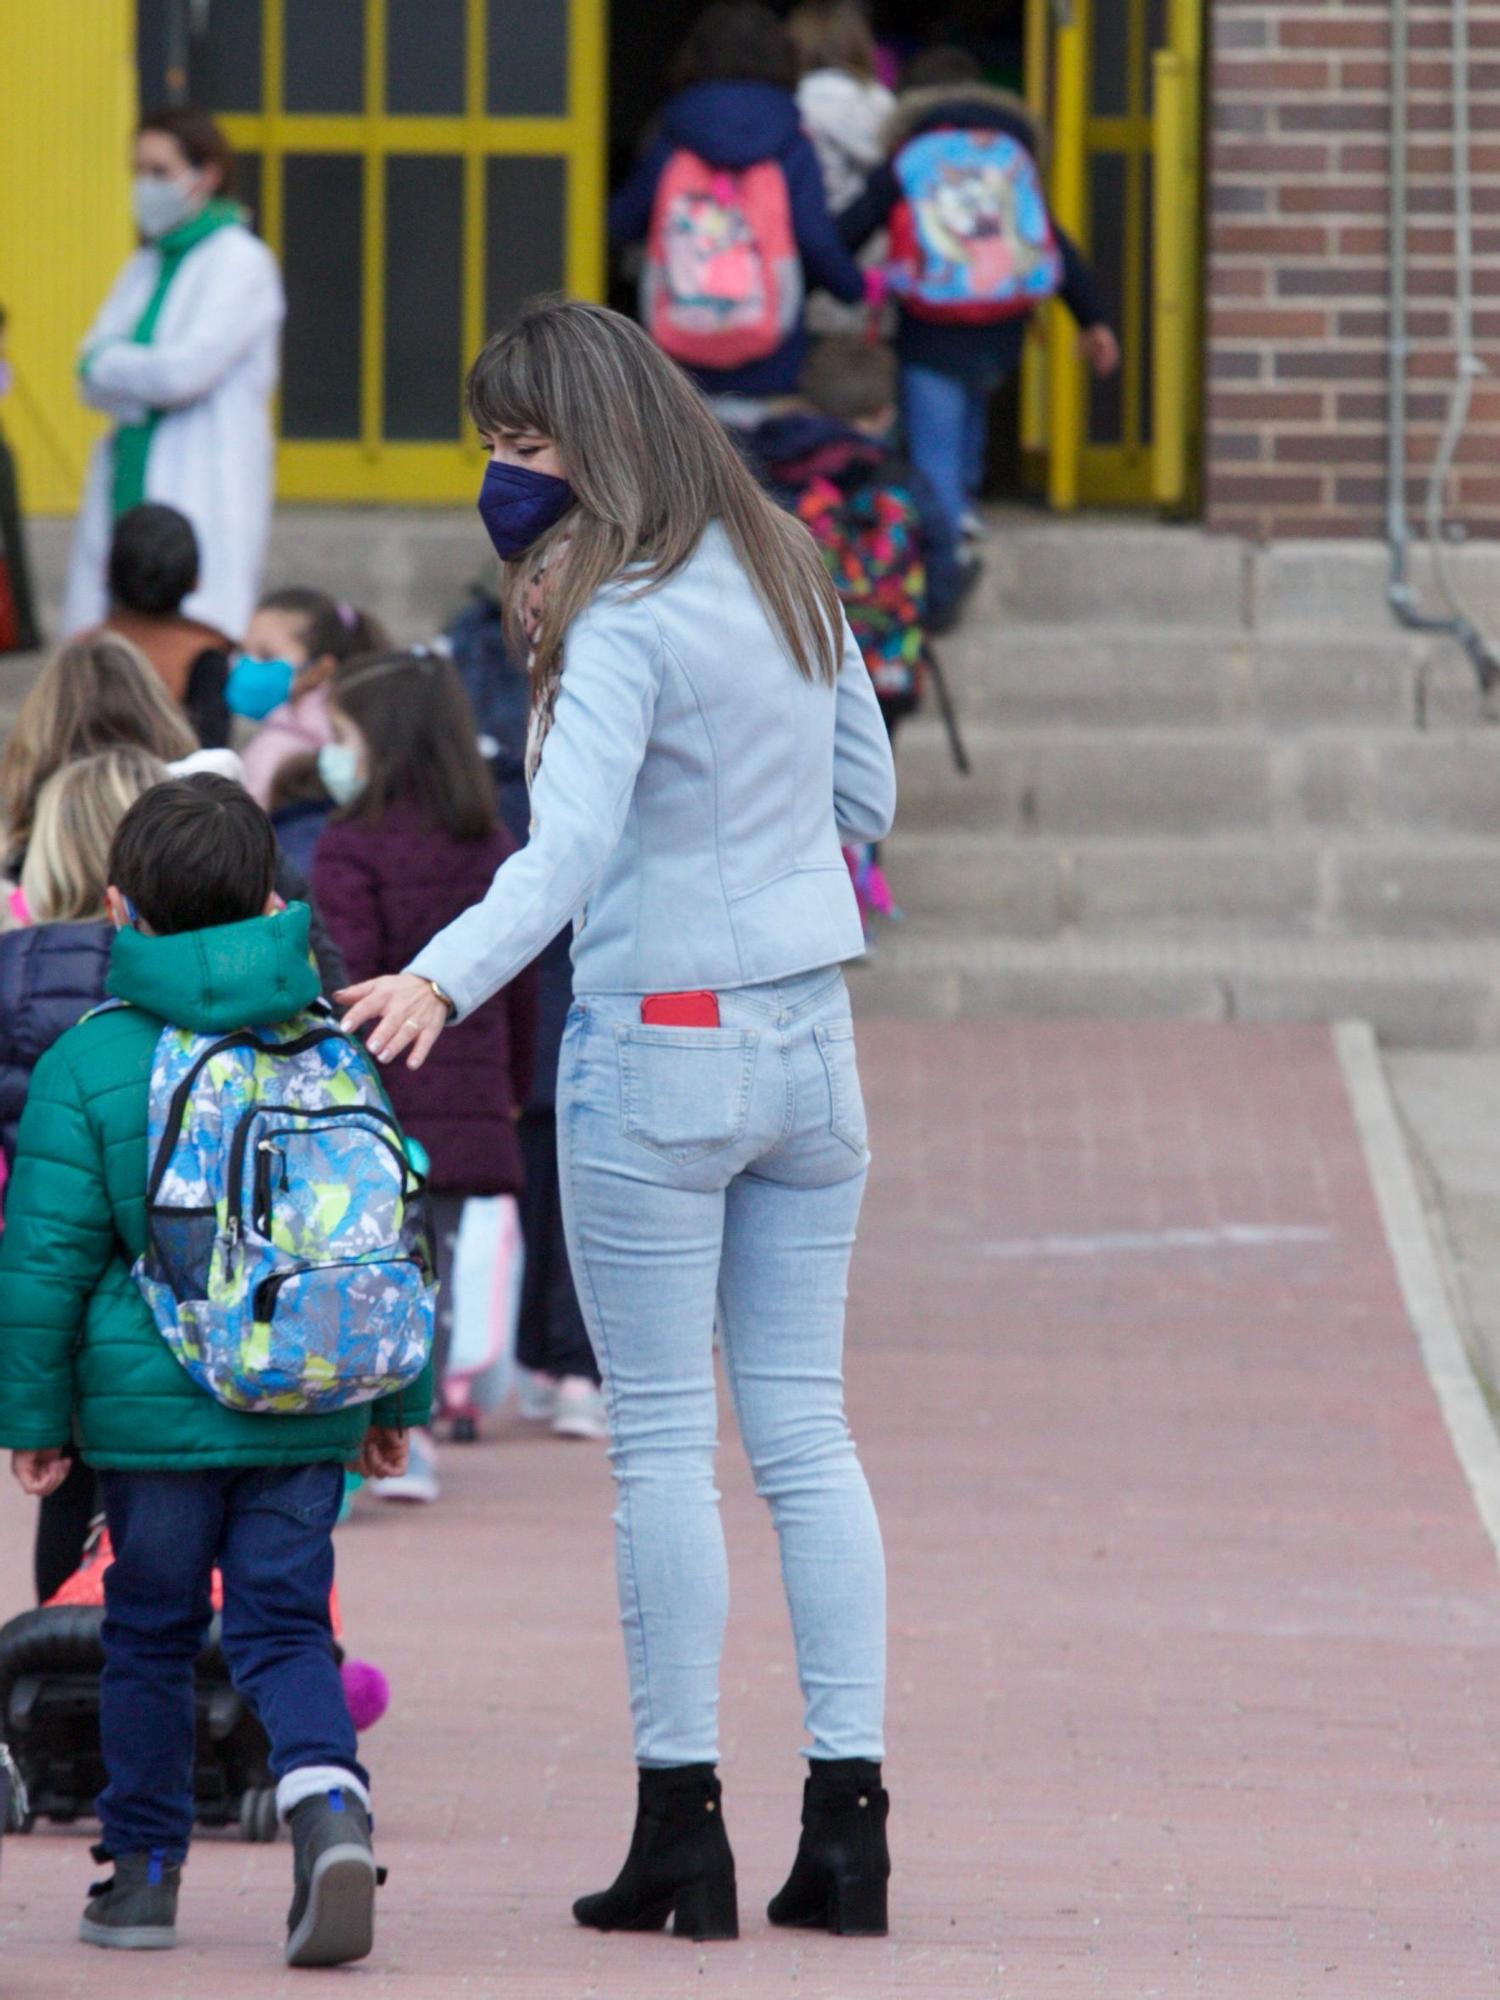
[838, 1881]
[679, 1864]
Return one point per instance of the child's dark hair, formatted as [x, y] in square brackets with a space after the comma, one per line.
[153, 559]
[931, 68]
[199, 139]
[421, 739]
[330, 627]
[193, 853]
[736, 41]
[849, 378]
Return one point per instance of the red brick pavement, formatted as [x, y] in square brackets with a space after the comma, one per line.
[1196, 1647]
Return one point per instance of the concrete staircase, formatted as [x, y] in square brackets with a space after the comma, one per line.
[1209, 781]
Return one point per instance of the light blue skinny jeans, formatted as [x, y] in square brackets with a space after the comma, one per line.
[714, 1176]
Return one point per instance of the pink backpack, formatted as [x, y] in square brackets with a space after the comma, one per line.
[722, 280]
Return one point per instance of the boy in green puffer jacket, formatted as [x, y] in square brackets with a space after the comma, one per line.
[188, 1483]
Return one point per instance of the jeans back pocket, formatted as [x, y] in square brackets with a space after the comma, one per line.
[846, 1100]
[685, 1092]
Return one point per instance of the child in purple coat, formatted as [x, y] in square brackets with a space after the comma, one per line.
[415, 840]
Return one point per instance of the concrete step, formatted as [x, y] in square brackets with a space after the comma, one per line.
[1035, 886]
[1159, 781]
[1041, 675]
[1415, 995]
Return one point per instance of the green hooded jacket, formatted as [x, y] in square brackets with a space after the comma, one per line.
[80, 1355]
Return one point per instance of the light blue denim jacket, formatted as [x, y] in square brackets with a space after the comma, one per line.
[689, 806]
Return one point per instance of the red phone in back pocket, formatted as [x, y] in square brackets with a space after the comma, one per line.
[680, 1010]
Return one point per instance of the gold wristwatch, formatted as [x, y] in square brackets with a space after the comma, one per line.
[447, 999]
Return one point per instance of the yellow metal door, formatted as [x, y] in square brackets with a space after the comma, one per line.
[1117, 83]
[412, 206]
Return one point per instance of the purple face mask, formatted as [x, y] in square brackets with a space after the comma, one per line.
[518, 506]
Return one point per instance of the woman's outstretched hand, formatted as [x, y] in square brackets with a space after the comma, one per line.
[408, 1016]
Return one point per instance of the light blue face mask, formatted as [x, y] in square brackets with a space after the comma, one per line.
[255, 687]
[338, 767]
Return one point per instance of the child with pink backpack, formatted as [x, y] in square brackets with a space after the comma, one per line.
[729, 202]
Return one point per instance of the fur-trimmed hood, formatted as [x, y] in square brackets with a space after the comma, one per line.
[979, 106]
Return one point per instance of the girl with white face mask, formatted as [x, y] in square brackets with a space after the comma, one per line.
[183, 358]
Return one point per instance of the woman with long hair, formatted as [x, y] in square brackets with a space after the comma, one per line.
[703, 732]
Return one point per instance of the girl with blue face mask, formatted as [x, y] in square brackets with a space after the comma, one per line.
[279, 678]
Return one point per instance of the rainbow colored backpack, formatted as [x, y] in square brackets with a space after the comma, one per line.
[971, 239]
[870, 537]
[721, 284]
[288, 1263]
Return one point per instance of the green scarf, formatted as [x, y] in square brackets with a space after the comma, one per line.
[132, 442]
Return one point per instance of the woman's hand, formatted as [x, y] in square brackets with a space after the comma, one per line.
[406, 1012]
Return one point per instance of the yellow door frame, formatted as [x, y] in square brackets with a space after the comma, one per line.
[1154, 461]
[373, 467]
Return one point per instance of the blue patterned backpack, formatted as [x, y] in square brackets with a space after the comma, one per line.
[288, 1262]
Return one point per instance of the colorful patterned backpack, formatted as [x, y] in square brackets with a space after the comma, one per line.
[288, 1262]
[870, 538]
[971, 239]
[722, 281]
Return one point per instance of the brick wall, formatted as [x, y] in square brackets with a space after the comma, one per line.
[1297, 263]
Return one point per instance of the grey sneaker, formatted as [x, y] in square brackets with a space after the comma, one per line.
[332, 1918]
[137, 1910]
[580, 1411]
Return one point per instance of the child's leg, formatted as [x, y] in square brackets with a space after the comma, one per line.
[934, 410]
[276, 1556]
[551, 1338]
[976, 435]
[164, 1527]
[447, 1213]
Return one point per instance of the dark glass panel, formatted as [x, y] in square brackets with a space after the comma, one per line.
[424, 214]
[324, 50]
[526, 58]
[225, 63]
[1144, 357]
[151, 39]
[1110, 58]
[1107, 253]
[424, 55]
[247, 185]
[323, 195]
[223, 60]
[524, 209]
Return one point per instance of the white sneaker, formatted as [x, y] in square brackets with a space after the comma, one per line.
[580, 1409]
[419, 1482]
[971, 525]
[536, 1395]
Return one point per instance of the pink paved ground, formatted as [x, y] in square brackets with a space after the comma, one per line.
[1196, 1637]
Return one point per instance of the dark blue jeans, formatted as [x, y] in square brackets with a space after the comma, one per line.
[270, 1533]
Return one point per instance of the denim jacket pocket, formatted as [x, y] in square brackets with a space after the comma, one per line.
[685, 1092]
[846, 1100]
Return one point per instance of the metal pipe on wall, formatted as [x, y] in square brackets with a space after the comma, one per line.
[1401, 594]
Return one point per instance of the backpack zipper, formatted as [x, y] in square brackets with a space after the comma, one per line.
[235, 1185]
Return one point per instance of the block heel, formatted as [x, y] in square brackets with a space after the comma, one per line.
[708, 1910]
[839, 1880]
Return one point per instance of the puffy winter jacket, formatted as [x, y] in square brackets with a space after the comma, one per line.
[387, 889]
[80, 1355]
[735, 125]
[50, 976]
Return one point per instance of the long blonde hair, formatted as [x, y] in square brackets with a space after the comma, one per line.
[92, 694]
[651, 466]
[77, 811]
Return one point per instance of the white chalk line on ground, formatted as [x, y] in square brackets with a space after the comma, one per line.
[1409, 1238]
[1222, 1236]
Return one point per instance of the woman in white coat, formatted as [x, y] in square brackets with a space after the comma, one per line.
[183, 356]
